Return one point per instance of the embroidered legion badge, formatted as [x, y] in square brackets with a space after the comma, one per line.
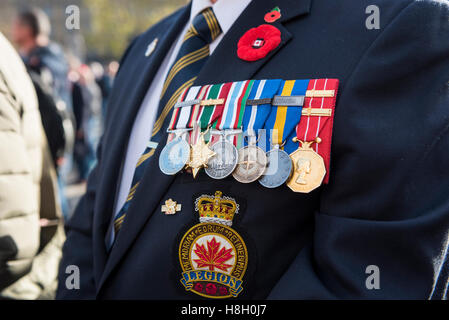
[212, 255]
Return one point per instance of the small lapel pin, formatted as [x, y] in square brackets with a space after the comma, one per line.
[273, 15]
[151, 47]
[171, 207]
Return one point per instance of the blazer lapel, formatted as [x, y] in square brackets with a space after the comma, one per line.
[224, 65]
[136, 83]
[154, 185]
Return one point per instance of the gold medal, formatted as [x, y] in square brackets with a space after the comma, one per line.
[308, 168]
[199, 155]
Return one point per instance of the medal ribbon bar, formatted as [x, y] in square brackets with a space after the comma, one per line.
[185, 112]
[216, 96]
[234, 108]
[206, 115]
[256, 114]
[283, 118]
[317, 120]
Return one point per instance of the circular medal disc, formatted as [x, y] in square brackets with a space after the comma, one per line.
[174, 156]
[279, 169]
[225, 160]
[251, 165]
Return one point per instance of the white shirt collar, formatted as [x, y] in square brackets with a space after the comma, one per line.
[226, 11]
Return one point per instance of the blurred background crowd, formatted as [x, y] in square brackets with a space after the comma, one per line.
[55, 83]
[76, 68]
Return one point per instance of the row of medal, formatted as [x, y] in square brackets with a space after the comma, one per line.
[223, 129]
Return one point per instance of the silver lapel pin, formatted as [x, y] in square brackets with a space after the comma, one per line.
[151, 47]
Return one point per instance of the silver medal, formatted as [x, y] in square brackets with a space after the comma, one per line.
[279, 169]
[174, 156]
[224, 162]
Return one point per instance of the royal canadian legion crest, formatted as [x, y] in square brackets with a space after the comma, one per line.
[213, 256]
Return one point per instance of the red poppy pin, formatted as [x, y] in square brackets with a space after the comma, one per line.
[256, 43]
[273, 15]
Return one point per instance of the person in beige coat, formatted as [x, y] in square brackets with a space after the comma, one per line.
[31, 228]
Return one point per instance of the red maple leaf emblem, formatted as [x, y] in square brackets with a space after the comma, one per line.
[213, 257]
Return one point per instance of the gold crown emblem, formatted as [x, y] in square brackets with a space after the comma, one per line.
[217, 209]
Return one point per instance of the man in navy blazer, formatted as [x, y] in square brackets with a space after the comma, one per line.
[378, 230]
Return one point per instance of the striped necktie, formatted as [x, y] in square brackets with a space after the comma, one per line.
[192, 56]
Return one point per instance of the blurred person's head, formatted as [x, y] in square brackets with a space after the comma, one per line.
[86, 74]
[97, 69]
[74, 64]
[31, 28]
[113, 68]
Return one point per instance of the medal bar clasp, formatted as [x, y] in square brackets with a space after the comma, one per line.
[208, 102]
[226, 132]
[320, 93]
[187, 103]
[211, 102]
[256, 102]
[288, 101]
[317, 112]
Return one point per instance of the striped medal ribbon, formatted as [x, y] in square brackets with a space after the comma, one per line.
[286, 114]
[189, 100]
[314, 134]
[225, 158]
[257, 110]
[284, 118]
[232, 117]
[176, 153]
[252, 160]
[186, 110]
[210, 111]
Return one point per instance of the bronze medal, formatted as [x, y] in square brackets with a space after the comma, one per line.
[252, 164]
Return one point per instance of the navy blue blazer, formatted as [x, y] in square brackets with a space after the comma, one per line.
[387, 203]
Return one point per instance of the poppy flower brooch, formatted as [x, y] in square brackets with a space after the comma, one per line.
[273, 15]
[258, 42]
